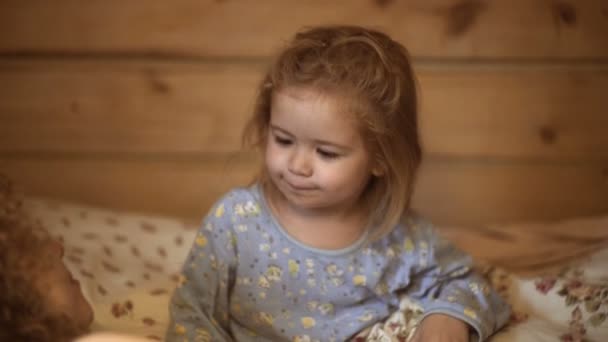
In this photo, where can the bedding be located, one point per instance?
(128, 265)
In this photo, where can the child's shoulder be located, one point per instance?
(239, 194)
(414, 226)
(239, 201)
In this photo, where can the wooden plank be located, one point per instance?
(555, 112)
(449, 192)
(184, 188)
(472, 192)
(536, 112)
(123, 107)
(438, 28)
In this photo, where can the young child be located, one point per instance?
(324, 244)
(39, 299)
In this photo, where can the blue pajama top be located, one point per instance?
(246, 279)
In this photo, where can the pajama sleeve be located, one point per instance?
(446, 283)
(199, 306)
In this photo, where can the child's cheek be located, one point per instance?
(274, 160)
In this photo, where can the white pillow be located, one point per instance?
(127, 263)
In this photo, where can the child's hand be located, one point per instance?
(441, 328)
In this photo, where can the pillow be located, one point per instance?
(576, 296)
(127, 263)
(534, 248)
(555, 275)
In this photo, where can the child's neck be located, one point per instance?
(331, 228)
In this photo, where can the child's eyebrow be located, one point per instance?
(277, 128)
(317, 141)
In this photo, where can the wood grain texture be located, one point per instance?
(193, 28)
(183, 188)
(143, 107)
(454, 192)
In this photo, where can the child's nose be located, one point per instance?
(300, 163)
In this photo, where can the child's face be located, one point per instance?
(62, 291)
(315, 154)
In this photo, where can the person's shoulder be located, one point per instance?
(238, 202)
(414, 226)
(418, 222)
(239, 194)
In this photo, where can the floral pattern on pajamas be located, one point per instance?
(246, 279)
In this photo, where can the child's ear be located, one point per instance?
(378, 165)
(378, 169)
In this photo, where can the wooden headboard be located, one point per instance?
(138, 105)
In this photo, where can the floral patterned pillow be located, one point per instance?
(573, 302)
(558, 273)
(582, 291)
(127, 263)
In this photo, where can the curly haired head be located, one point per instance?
(24, 313)
(370, 74)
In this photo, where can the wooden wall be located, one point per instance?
(138, 104)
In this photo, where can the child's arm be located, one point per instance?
(441, 328)
(199, 305)
(448, 287)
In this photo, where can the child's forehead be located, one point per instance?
(305, 93)
(339, 102)
(314, 116)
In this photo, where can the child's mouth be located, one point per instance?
(299, 187)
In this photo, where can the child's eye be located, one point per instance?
(282, 141)
(327, 154)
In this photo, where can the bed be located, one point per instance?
(120, 120)
(128, 265)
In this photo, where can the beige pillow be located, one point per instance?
(533, 248)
